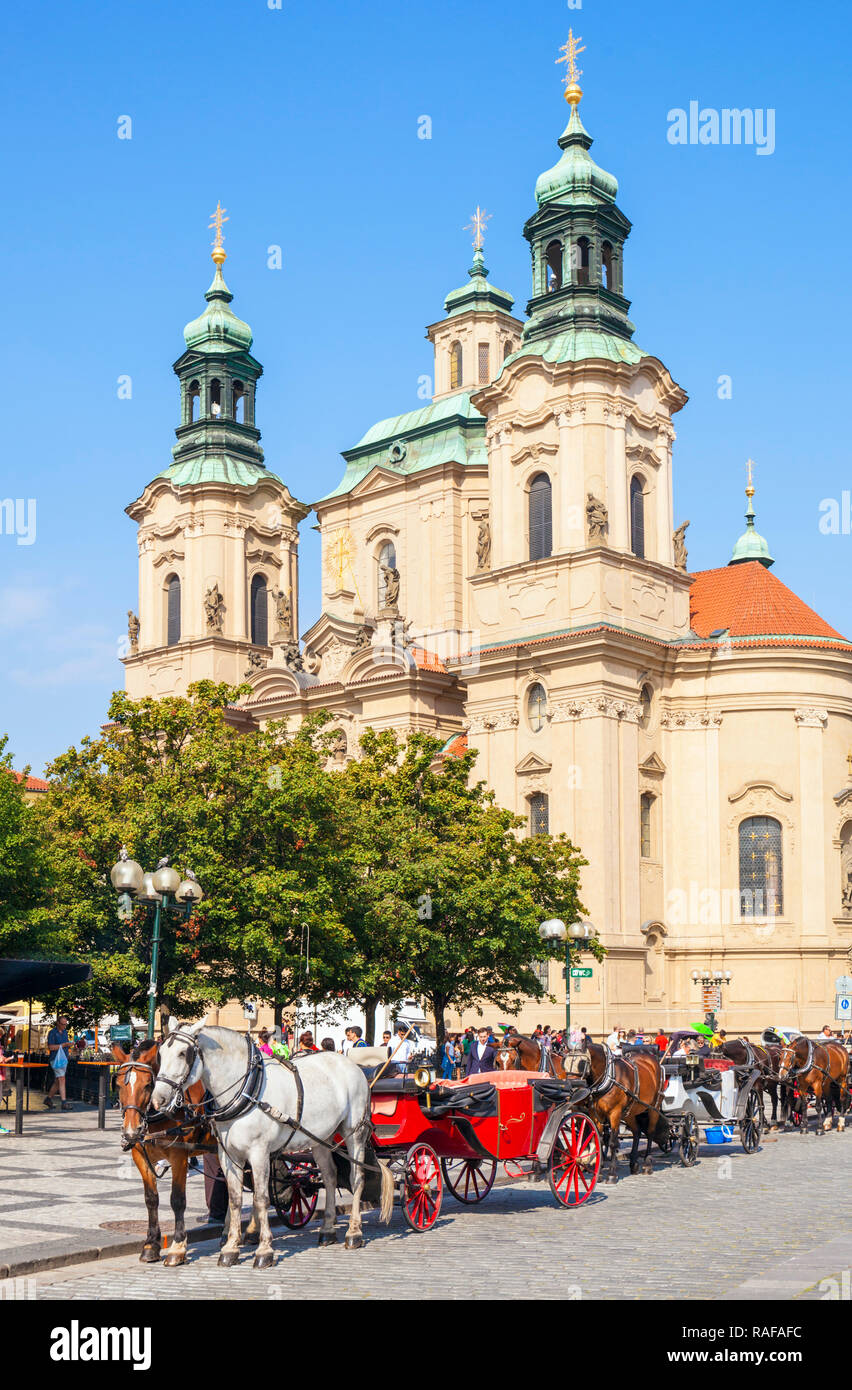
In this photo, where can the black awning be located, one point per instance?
(29, 979)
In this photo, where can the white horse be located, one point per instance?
(259, 1108)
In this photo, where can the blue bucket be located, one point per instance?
(719, 1134)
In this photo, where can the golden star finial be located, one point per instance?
(569, 53)
(218, 253)
(477, 226)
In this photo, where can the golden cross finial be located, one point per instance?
(849, 763)
(750, 486)
(218, 253)
(477, 226)
(569, 53)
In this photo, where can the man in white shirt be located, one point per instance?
(402, 1048)
(613, 1042)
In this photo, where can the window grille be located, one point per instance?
(539, 814)
(761, 867)
(541, 518)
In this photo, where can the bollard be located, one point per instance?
(102, 1096)
(19, 1101)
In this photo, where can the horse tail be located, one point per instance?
(386, 1209)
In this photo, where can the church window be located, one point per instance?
(539, 814)
(646, 699)
(646, 802)
(553, 267)
(455, 366)
(507, 349)
(239, 402)
(259, 611)
(194, 400)
(483, 364)
(172, 611)
(216, 397)
(581, 260)
(387, 559)
(606, 265)
(537, 707)
(541, 970)
(541, 517)
(761, 867)
(637, 518)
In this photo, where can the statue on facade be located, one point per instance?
(283, 613)
(483, 545)
(679, 539)
(391, 594)
(132, 631)
(255, 663)
(293, 657)
(214, 609)
(846, 895)
(337, 747)
(363, 638)
(597, 518)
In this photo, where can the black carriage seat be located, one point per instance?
(477, 1100)
(647, 1049)
(707, 1077)
(391, 1082)
(552, 1090)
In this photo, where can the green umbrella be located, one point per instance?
(702, 1028)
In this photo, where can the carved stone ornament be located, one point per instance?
(256, 662)
(691, 719)
(133, 632)
(811, 717)
(283, 613)
(679, 542)
(293, 657)
(483, 545)
(214, 609)
(597, 519)
(566, 710)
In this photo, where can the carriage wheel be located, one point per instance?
(574, 1161)
(468, 1179)
(689, 1141)
(751, 1123)
(293, 1191)
(422, 1187)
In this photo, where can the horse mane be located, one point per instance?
(140, 1047)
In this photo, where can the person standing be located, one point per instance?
(403, 1047)
(263, 1042)
(354, 1038)
(57, 1046)
(482, 1055)
(613, 1042)
(448, 1059)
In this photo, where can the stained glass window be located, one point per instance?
(537, 707)
(455, 366)
(761, 867)
(539, 814)
(483, 363)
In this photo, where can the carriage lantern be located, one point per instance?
(165, 891)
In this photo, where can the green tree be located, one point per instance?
(24, 866)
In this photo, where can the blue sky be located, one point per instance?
(304, 122)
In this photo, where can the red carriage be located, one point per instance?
(451, 1135)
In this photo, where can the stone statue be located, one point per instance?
(846, 897)
(364, 638)
(597, 517)
(214, 609)
(255, 663)
(133, 631)
(483, 545)
(283, 612)
(293, 657)
(679, 539)
(338, 746)
(391, 586)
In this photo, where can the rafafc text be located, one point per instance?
(712, 1334)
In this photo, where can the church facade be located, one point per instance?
(501, 568)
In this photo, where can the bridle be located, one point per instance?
(786, 1069)
(143, 1114)
(246, 1088)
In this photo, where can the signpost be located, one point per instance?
(843, 1009)
(580, 972)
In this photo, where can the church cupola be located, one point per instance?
(577, 236)
(751, 545)
(218, 377)
(479, 331)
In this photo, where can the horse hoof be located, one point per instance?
(175, 1257)
(327, 1238)
(263, 1261)
(354, 1242)
(228, 1258)
(150, 1255)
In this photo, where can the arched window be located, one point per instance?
(507, 349)
(455, 366)
(646, 700)
(581, 261)
(637, 517)
(646, 846)
(761, 867)
(216, 397)
(259, 611)
(606, 265)
(541, 517)
(553, 267)
(172, 611)
(537, 707)
(483, 364)
(194, 401)
(239, 402)
(387, 558)
(539, 814)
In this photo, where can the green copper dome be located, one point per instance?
(576, 178)
(218, 328)
(478, 294)
(751, 545)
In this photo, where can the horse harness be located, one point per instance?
(609, 1080)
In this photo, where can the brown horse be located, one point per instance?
(821, 1070)
(525, 1054)
(173, 1137)
(768, 1058)
(626, 1090)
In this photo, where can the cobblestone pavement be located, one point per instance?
(734, 1226)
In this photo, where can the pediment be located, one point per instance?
(761, 785)
(532, 763)
(376, 480)
(842, 797)
(653, 765)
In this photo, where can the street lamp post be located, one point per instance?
(165, 891)
(716, 978)
(555, 930)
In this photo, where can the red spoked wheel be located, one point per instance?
(469, 1179)
(422, 1187)
(293, 1190)
(575, 1161)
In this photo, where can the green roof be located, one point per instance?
(478, 294)
(575, 178)
(447, 431)
(217, 468)
(218, 329)
(579, 345)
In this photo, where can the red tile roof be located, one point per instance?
(750, 602)
(34, 784)
(426, 661)
(455, 747)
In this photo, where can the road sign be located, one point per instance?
(843, 984)
(581, 972)
(843, 1008)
